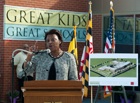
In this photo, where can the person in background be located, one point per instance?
(18, 62)
(55, 65)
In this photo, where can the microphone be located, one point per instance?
(12, 87)
(20, 50)
(13, 67)
(46, 50)
(41, 51)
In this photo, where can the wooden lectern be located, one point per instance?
(52, 91)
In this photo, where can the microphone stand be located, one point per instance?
(13, 68)
(48, 50)
(12, 78)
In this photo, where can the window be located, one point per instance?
(127, 35)
(123, 33)
(137, 31)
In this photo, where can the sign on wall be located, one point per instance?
(113, 69)
(124, 28)
(22, 23)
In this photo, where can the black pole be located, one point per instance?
(12, 78)
(12, 91)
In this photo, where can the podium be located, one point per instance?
(52, 91)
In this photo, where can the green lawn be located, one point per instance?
(99, 62)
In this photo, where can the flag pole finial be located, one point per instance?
(111, 4)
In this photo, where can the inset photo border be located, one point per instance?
(113, 69)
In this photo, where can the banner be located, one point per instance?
(124, 29)
(22, 23)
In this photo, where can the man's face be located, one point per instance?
(26, 47)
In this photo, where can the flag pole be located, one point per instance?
(111, 7)
(90, 3)
(113, 29)
(88, 50)
(110, 46)
(91, 95)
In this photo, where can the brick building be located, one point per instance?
(101, 8)
(8, 46)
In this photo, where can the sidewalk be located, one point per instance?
(108, 99)
(88, 100)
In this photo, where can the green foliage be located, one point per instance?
(14, 95)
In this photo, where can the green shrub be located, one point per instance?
(15, 93)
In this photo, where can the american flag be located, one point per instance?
(110, 45)
(110, 39)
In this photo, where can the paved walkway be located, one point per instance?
(88, 100)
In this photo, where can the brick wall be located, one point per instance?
(97, 33)
(8, 46)
(1, 49)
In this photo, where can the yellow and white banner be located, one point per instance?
(23, 23)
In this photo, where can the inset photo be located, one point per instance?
(112, 68)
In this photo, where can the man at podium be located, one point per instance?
(54, 65)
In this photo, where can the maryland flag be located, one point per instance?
(110, 44)
(73, 45)
(88, 50)
(82, 62)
